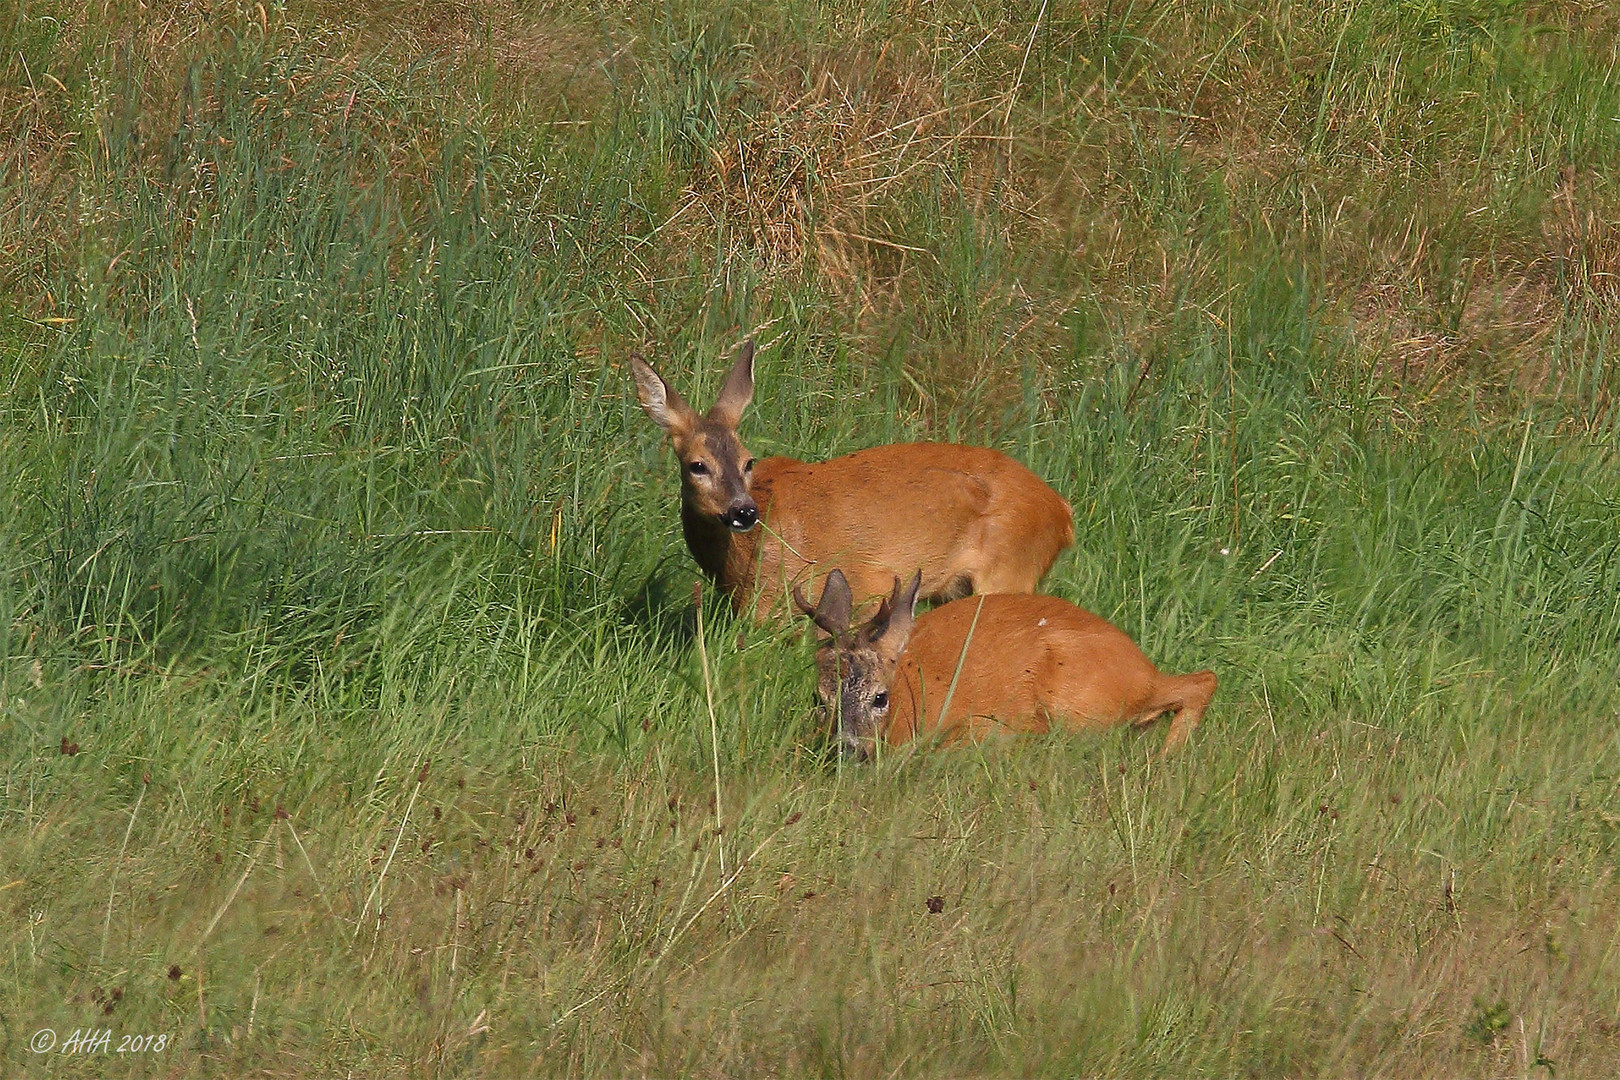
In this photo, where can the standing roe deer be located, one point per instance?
(997, 663)
(972, 518)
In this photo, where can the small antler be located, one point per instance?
(895, 613)
(832, 612)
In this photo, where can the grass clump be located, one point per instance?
(354, 716)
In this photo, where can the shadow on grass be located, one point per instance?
(661, 608)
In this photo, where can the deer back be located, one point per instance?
(1031, 662)
(970, 518)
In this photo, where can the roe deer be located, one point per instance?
(972, 518)
(997, 663)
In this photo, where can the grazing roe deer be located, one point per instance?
(997, 663)
(972, 518)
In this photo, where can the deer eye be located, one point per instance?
(697, 468)
(748, 466)
(880, 701)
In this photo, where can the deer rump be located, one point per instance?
(970, 518)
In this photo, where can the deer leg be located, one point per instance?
(1197, 690)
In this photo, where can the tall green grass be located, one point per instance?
(354, 716)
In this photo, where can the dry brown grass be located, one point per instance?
(1111, 161)
(504, 63)
(63, 117)
(574, 918)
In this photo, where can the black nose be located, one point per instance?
(742, 518)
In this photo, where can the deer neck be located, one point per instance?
(724, 556)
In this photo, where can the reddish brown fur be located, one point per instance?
(1032, 662)
(972, 518)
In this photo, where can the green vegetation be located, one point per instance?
(353, 720)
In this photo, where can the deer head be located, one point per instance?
(855, 671)
(715, 465)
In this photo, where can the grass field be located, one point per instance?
(352, 720)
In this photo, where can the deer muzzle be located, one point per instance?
(741, 516)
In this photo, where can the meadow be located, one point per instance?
(353, 720)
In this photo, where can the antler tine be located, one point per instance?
(879, 622)
(815, 615)
(832, 611)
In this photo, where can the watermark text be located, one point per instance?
(96, 1041)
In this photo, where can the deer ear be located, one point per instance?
(890, 629)
(739, 389)
(660, 401)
